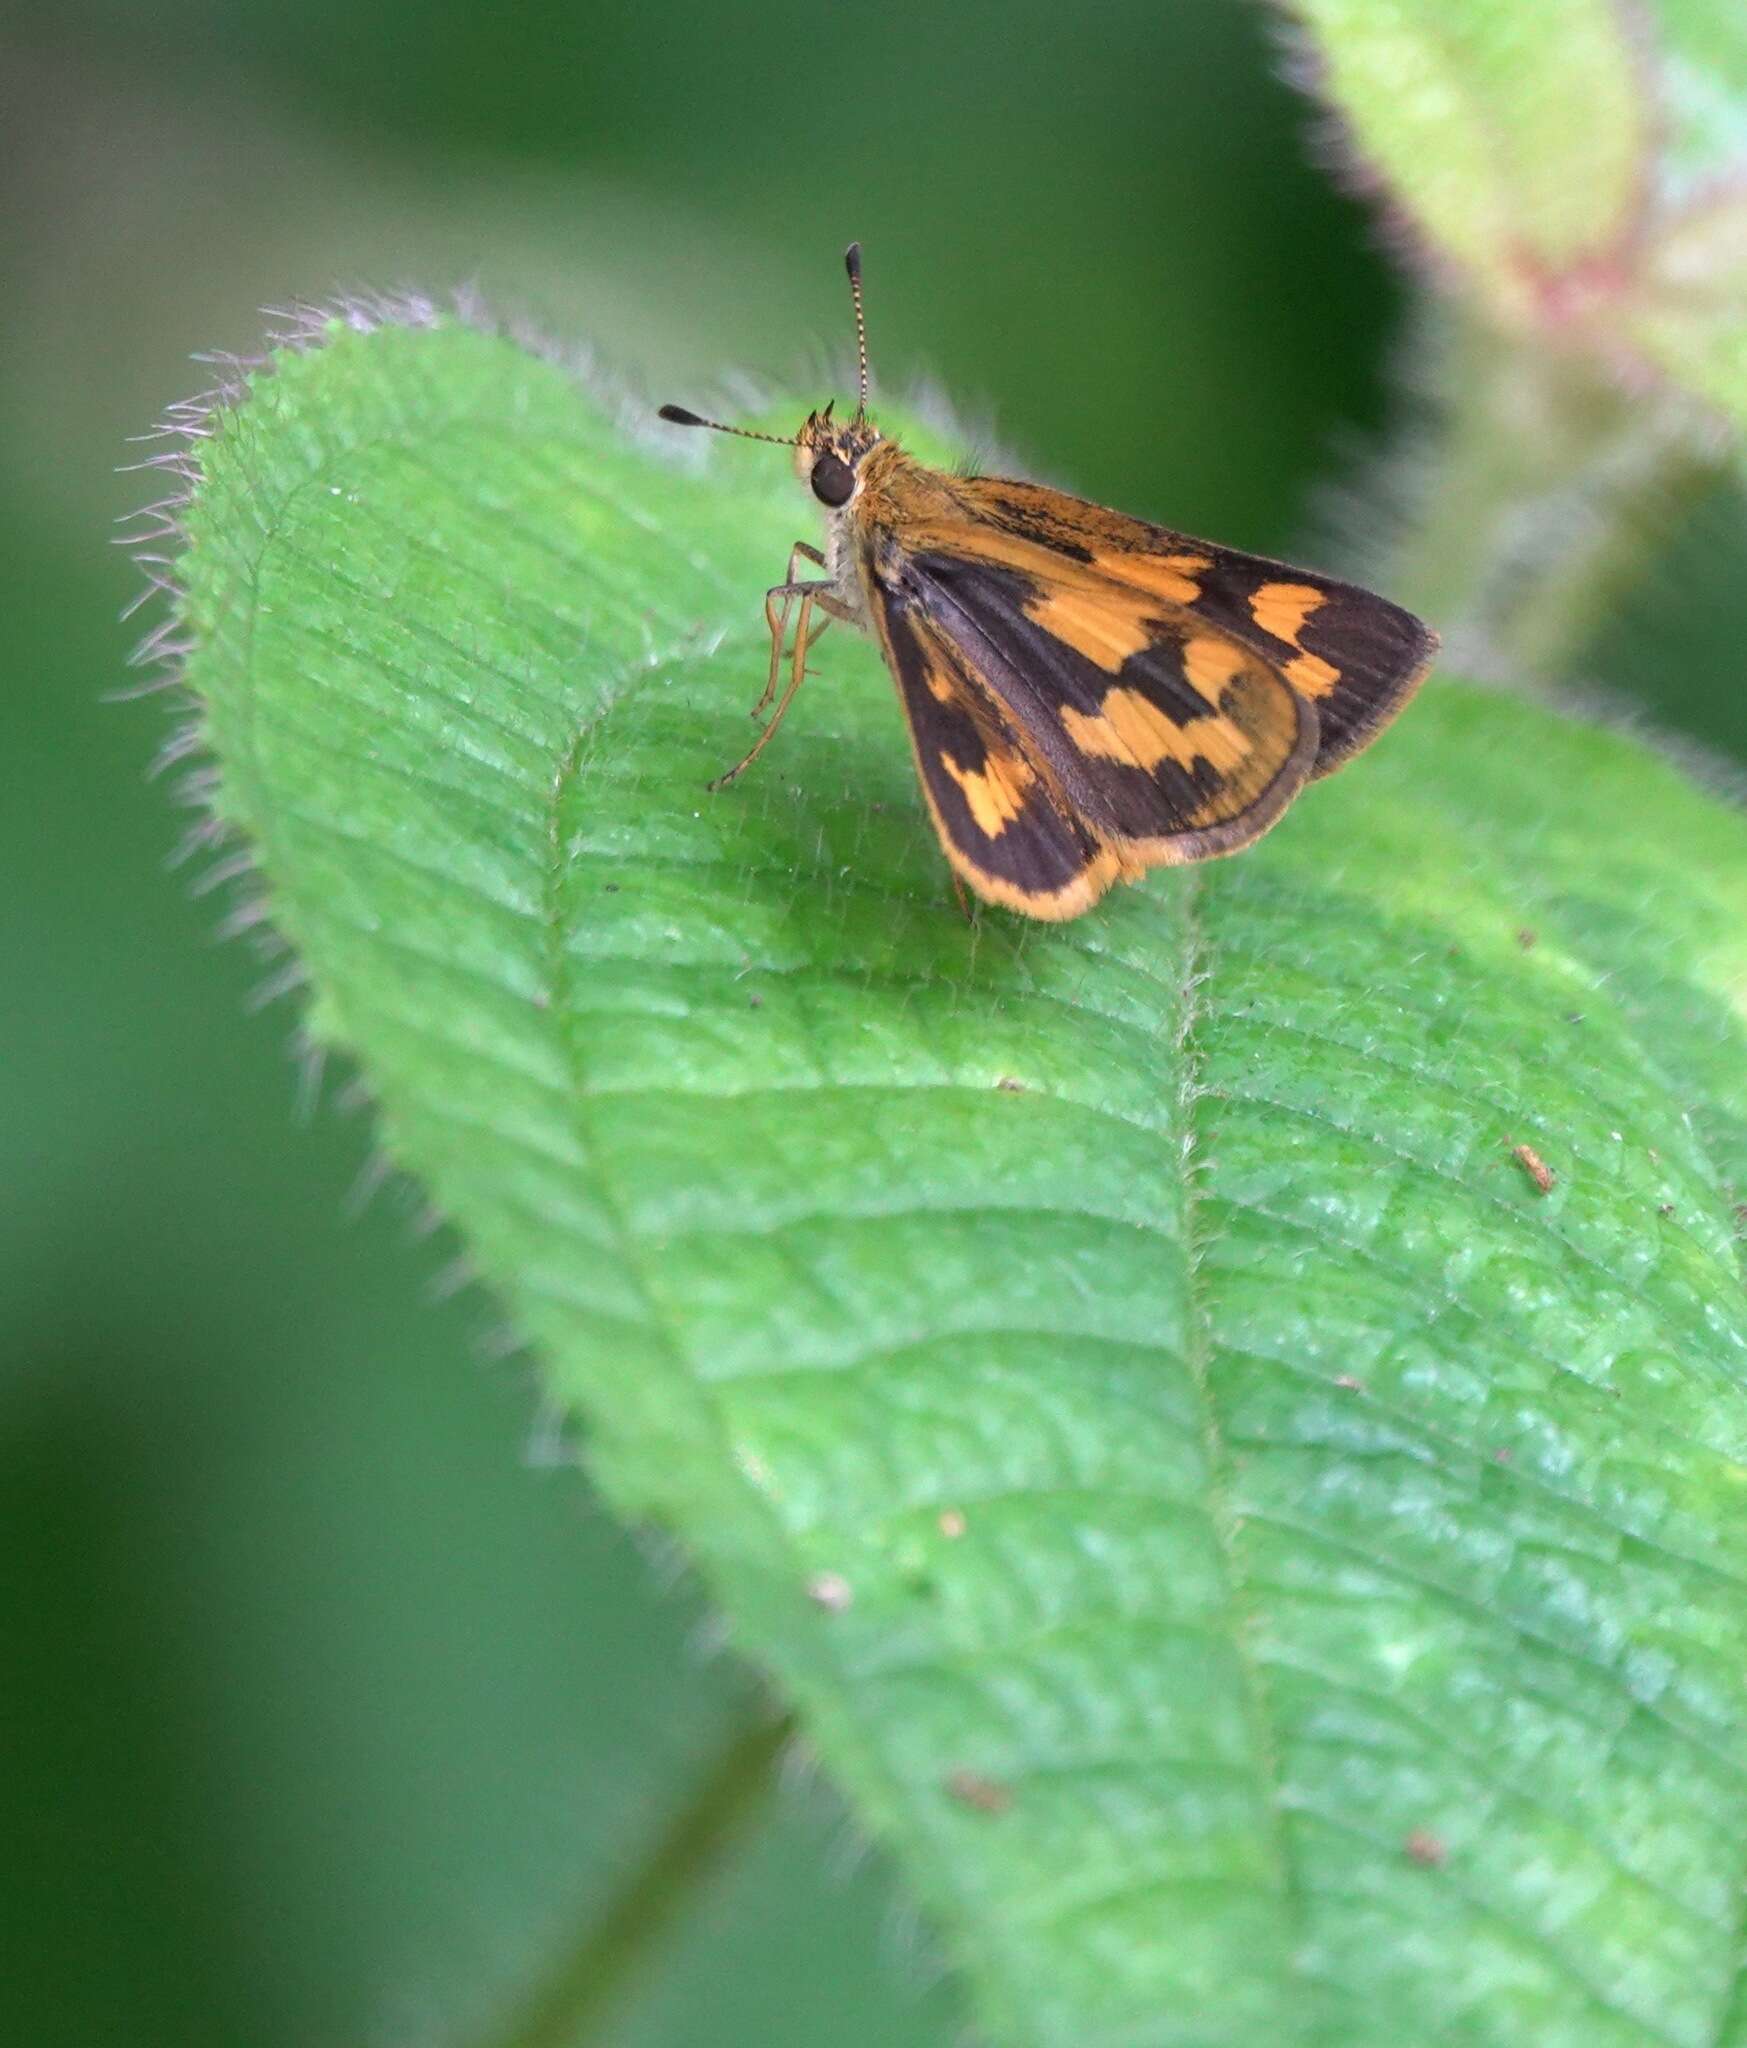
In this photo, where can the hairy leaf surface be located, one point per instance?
(1271, 1573)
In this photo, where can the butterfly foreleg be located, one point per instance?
(807, 595)
(777, 604)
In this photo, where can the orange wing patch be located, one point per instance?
(1109, 610)
(1282, 608)
(1106, 608)
(1130, 727)
(1210, 662)
(1312, 675)
(1105, 626)
(1171, 577)
(1268, 722)
(995, 792)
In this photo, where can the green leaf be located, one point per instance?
(1516, 138)
(1580, 170)
(1692, 320)
(1270, 1573)
(1702, 62)
(1692, 323)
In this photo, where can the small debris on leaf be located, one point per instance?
(1429, 1851)
(1351, 1382)
(1009, 1086)
(830, 1590)
(1534, 1166)
(1527, 938)
(971, 1788)
(952, 1522)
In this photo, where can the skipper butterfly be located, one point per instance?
(1088, 695)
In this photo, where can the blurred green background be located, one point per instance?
(331, 1707)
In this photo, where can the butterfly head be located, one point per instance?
(828, 453)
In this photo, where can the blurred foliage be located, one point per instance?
(329, 1716)
(1591, 354)
(1514, 141)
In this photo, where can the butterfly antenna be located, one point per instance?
(681, 418)
(852, 263)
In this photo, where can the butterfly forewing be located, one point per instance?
(1162, 733)
(1357, 657)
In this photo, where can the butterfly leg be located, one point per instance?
(778, 621)
(808, 595)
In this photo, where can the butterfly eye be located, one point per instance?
(833, 481)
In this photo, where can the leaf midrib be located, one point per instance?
(1199, 1357)
(706, 1389)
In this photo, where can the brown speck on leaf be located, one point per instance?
(1665, 1208)
(972, 1788)
(1350, 1382)
(1534, 1166)
(1009, 1086)
(1527, 938)
(830, 1590)
(952, 1522)
(1502, 1455)
(756, 1002)
(1429, 1851)
(609, 888)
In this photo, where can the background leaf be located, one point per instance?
(1344, 1631)
(1516, 139)
(1582, 169)
(1694, 322)
(1703, 68)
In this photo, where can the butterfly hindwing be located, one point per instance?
(1005, 826)
(1172, 742)
(1062, 745)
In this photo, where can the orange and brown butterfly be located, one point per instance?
(1088, 695)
